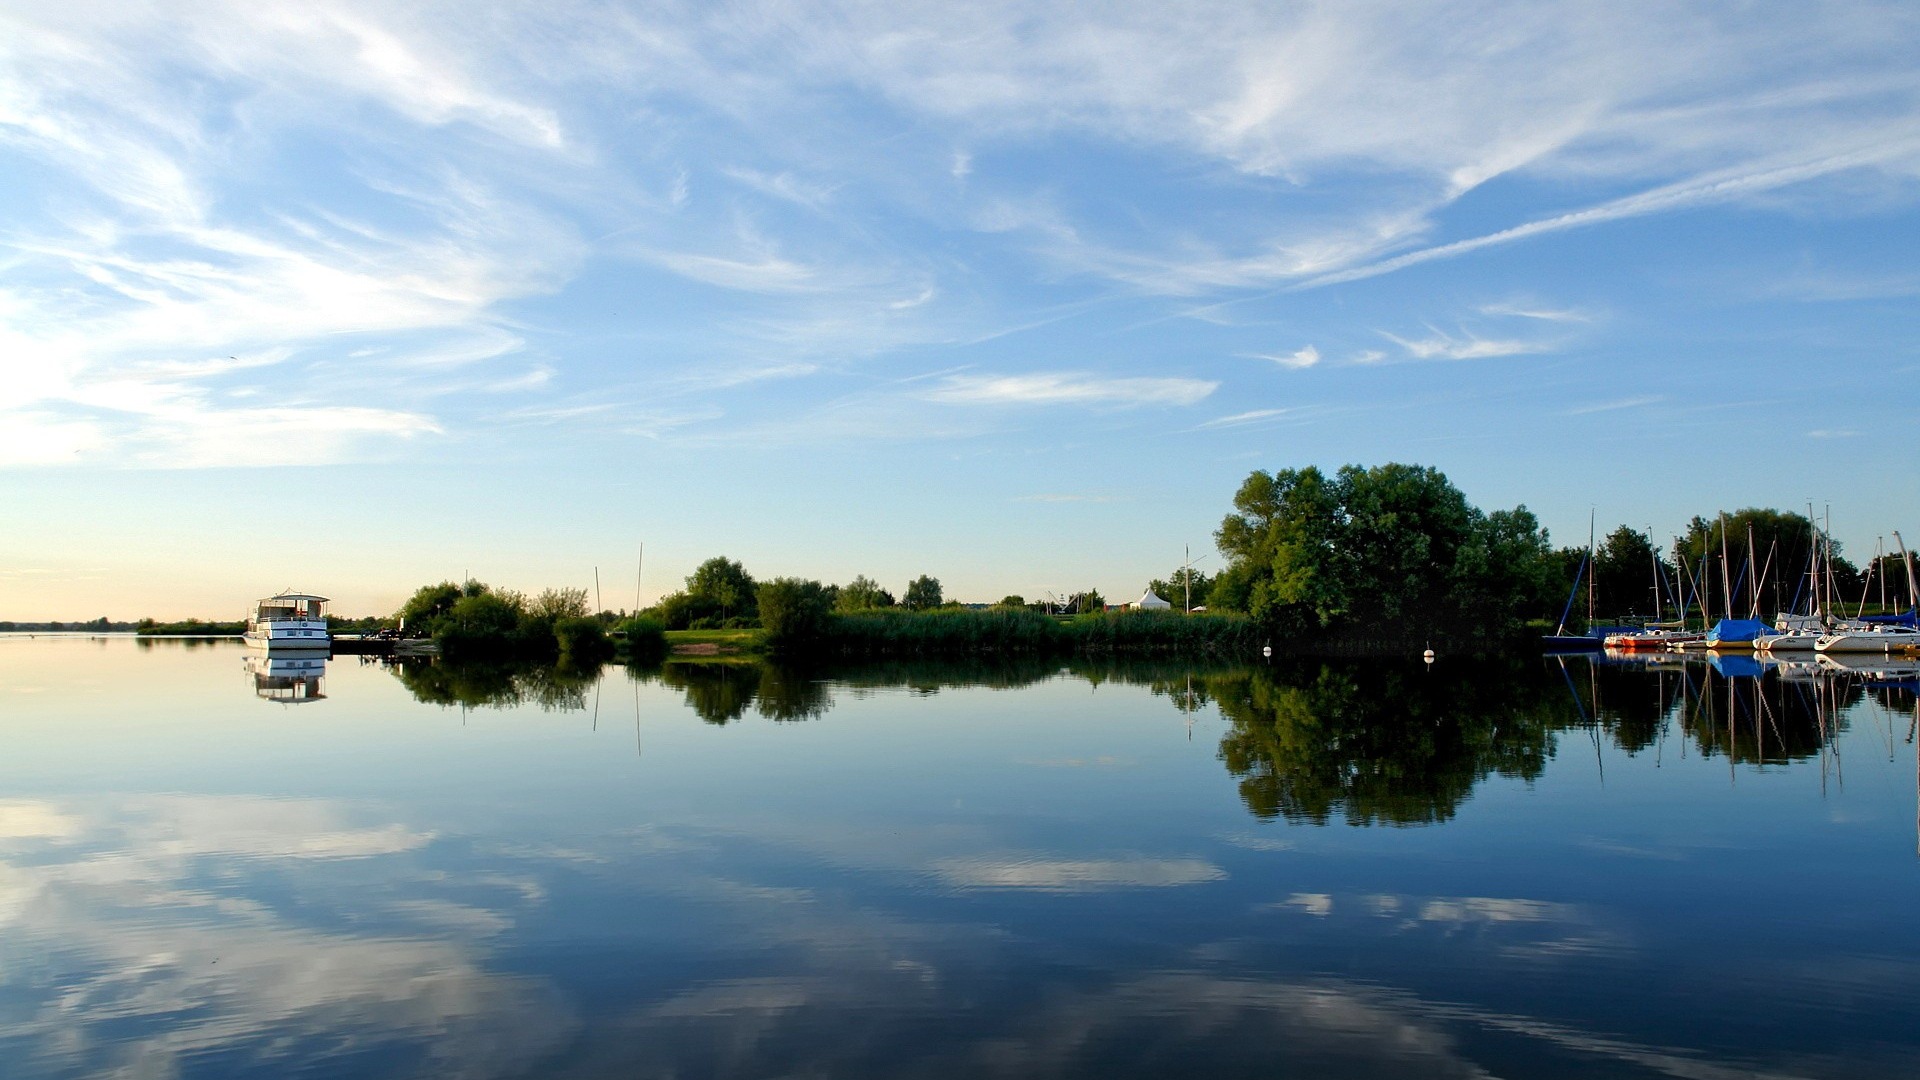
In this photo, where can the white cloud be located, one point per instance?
(782, 186)
(1252, 417)
(1442, 346)
(1618, 404)
(1543, 314)
(1300, 358)
(1897, 149)
(1069, 388)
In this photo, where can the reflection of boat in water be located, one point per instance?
(289, 621)
(1871, 667)
(288, 677)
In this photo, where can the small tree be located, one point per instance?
(428, 605)
(861, 594)
(923, 594)
(1012, 600)
(1091, 600)
(557, 604)
(724, 584)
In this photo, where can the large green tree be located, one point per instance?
(1624, 572)
(1390, 552)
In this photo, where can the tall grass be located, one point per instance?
(941, 632)
(1017, 632)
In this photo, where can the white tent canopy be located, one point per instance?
(1150, 601)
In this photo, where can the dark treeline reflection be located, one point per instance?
(1366, 742)
(473, 684)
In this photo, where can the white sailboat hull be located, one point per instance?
(1869, 641)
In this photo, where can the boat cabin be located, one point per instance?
(288, 607)
(289, 620)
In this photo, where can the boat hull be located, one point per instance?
(289, 638)
(1868, 642)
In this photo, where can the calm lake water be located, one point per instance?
(1310, 869)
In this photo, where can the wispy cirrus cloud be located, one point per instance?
(1254, 416)
(1069, 388)
(1618, 404)
(1442, 346)
(1515, 310)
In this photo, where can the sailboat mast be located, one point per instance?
(1727, 577)
(1652, 551)
(1907, 557)
(1593, 565)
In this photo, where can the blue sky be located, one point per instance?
(352, 296)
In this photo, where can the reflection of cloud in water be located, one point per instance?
(1492, 909)
(1153, 1023)
(1159, 1023)
(1535, 931)
(1072, 875)
(135, 910)
(1311, 903)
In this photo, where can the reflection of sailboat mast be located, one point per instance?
(1661, 713)
(1728, 725)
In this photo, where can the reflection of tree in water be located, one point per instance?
(720, 693)
(723, 692)
(1380, 743)
(717, 693)
(558, 687)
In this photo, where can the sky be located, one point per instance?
(351, 297)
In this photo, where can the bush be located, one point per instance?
(487, 623)
(581, 638)
(642, 639)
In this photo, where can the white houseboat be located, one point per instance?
(289, 621)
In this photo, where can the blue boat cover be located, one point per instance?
(1907, 618)
(1737, 630)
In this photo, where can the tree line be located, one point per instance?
(1361, 559)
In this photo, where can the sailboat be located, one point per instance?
(1560, 641)
(1885, 634)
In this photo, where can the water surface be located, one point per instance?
(211, 868)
